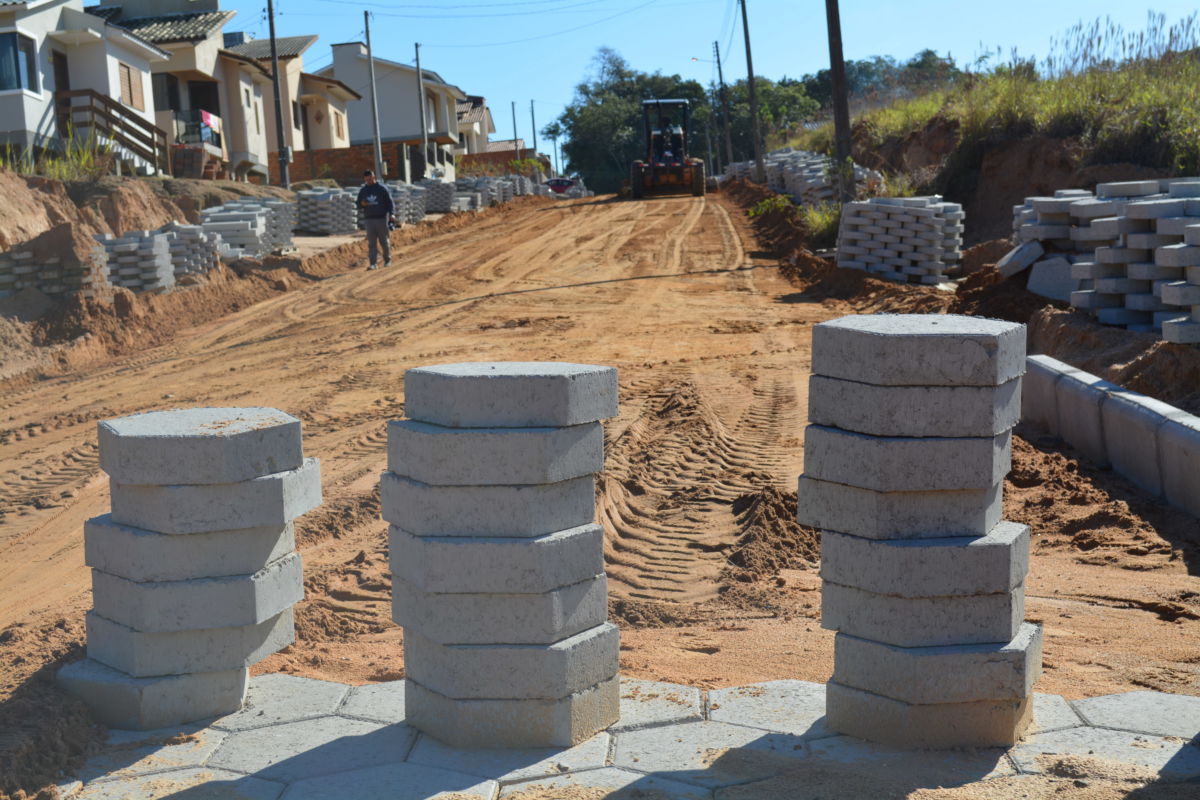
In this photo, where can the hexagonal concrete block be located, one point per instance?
(209, 650)
(381, 702)
(648, 703)
(505, 511)
(1175, 759)
(901, 464)
(513, 723)
(514, 672)
(141, 555)
(513, 763)
(496, 564)
(613, 782)
(122, 701)
(1144, 712)
(794, 707)
(919, 350)
(922, 621)
(193, 782)
(898, 515)
(126, 754)
(278, 699)
(1052, 712)
(947, 674)
(199, 445)
(944, 411)
(442, 456)
(986, 723)
(501, 618)
(270, 501)
(510, 394)
(200, 603)
(997, 562)
(394, 782)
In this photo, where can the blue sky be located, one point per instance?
(540, 49)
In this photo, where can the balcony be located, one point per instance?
(196, 127)
(85, 112)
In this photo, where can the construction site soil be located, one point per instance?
(712, 582)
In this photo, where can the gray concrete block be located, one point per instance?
(985, 723)
(899, 464)
(210, 650)
(458, 564)
(1177, 255)
(512, 763)
(200, 603)
(1019, 258)
(1039, 394)
(1172, 758)
(980, 565)
(394, 782)
(943, 411)
(1080, 397)
(442, 456)
(513, 672)
(1179, 451)
(381, 702)
(199, 445)
(122, 701)
(504, 511)
(1052, 278)
(277, 698)
(947, 674)
(791, 707)
(1155, 713)
(898, 515)
(919, 350)
(647, 703)
(510, 394)
(1131, 423)
(491, 724)
(269, 501)
(501, 618)
(141, 555)
(922, 621)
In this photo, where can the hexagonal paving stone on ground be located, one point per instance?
(273, 699)
(312, 748)
(194, 784)
(393, 782)
(645, 703)
(1156, 713)
(511, 765)
(921, 767)
(795, 707)
(130, 753)
(1175, 759)
(380, 702)
(623, 785)
(1052, 712)
(707, 753)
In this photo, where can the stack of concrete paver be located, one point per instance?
(331, 212)
(497, 565)
(904, 473)
(20, 269)
(907, 239)
(439, 196)
(193, 250)
(411, 200)
(194, 572)
(1185, 293)
(467, 201)
(139, 261)
(244, 230)
(805, 176)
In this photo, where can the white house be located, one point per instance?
(52, 54)
(475, 125)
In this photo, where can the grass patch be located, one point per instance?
(81, 158)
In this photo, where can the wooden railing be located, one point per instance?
(112, 122)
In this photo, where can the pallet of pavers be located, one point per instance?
(139, 261)
(439, 196)
(906, 239)
(331, 212)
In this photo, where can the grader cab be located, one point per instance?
(666, 166)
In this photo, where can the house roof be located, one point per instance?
(473, 109)
(250, 62)
(167, 28)
(505, 146)
(286, 47)
(331, 82)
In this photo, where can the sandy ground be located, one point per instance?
(712, 582)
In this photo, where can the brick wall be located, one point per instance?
(343, 164)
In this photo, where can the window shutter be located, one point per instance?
(126, 84)
(138, 100)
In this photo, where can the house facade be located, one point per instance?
(475, 125)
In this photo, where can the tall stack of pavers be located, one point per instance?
(194, 573)
(904, 467)
(497, 565)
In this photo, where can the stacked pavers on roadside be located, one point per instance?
(194, 572)
(1185, 293)
(193, 250)
(905, 458)
(20, 269)
(244, 230)
(139, 261)
(439, 196)
(906, 239)
(497, 565)
(330, 212)
(804, 175)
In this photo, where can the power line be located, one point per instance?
(548, 35)
(472, 15)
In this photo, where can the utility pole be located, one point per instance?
(760, 171)
(841, 102)
(724, 107)
(374, 98)
(533, 122)
(285, 179)
(708, 144)
(421, 102)
(516, 149)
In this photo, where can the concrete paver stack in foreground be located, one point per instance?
(497, 565)
(194, 573)
(904, 467)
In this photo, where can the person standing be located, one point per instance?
(377, 209)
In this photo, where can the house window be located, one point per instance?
(18, 62)
(247, 91)
(258, 118)
(295, 115)
(166, 92)
(131, 87)
(337, 125)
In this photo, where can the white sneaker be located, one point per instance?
(372, 267)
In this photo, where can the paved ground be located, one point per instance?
(300, 738)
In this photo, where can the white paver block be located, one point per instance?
(504, 511)
(1179, 450)
(200, 603)
(199, 445)
(947, 674)
(1052, 279)
(919, 350)
(501, 618)
(944, 411)
(269, 501)
(141, 555)
(898, 515)
(901, 464)
(1155, 713)
(649, 703)
(981, 565)
(922, 621)
(442, 456)
(1080, 397)
(510, 394)
(1019, 258)
(122, 701)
